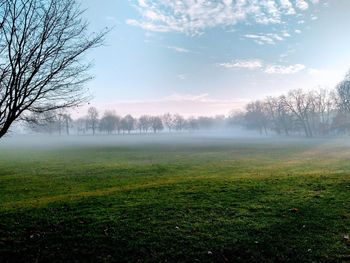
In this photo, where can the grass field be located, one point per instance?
(174, 199)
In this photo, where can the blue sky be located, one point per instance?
(207, 57)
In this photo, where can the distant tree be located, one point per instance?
(342, 98)
(310, 112)
(219, 121)
(279, 118)
(108, 122)
(80, 125)
(128, 123)
(67, 122)
(144, 123)
(46, 122)
(118, 120)
(300, 104)
(64, 120)
(343, 92)
(179, 122)
(92, 119)
(205, 123)
(193, 124)
(50, 122)
(138, 125)
(236, 119)
(322, 111)
(42, 44)
(256, 116)
(168, 121)
(156, 124)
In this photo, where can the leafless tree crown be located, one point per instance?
(42, 47)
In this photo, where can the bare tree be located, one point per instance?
(179, 122)
(279, 117)
(300, 104)
(168, 120)
(92, 119)
(157, 124)
(46, 122)
(343, 90)
(109, 122)
(144, 123)
(256, 116)
(118, 123)
(128, 123)
(322, 110)
(80, 125)
(193, 124)
(205, 123)
(67, 122)
(42, 46)
(64, 120)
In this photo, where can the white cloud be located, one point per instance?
(272, 14)
(142, 3)
(266, 68)
(194, 16)
(269, 38)
(297, 31)
(242, 64)
(182, 76)
(286, 54)
(148, 26)
(287, 5)
(302, 4)
(280, 69)
(178, 49)
(187, 97)
(285, 34)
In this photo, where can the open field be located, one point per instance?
(174, 199)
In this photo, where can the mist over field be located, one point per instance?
(212, 196)
(54, 142)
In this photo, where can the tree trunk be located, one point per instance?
(67, 127)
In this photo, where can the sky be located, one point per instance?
(210, 57)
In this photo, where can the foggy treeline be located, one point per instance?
(309, 113)
(298, 113)
(60, 122)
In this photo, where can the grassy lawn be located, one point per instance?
(178, 199)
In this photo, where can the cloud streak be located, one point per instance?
(270, 38)
(185, 104)
(255, 64)
(242, 64)
(284, 70)
(178, 49)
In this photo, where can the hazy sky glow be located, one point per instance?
(206, 57)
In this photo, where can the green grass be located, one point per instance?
(192, 200)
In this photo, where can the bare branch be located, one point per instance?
(42, 47)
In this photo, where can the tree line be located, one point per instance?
(61, 122)
(298, 113)
(309, 113)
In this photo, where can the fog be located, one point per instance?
(134, 139)
(219, 138)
